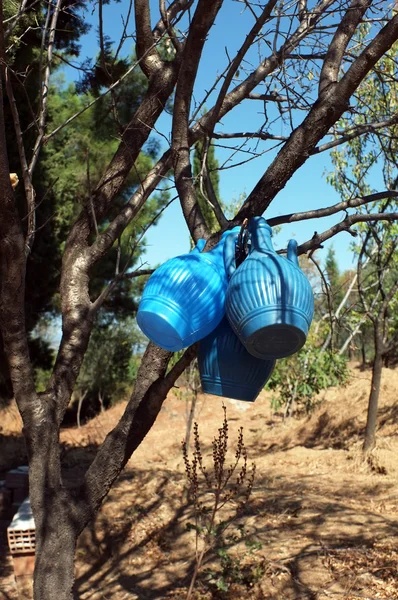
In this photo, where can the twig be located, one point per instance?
(331, 210)
(26, 176)
(90, 199)
(45, 89)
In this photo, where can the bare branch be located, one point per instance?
(325, 112)
(353, 132)
(332, 317)
(331, 210)
(106, 239)
(101, 37)
(45, 89)
(138, 273)
(262, 135)
(147, 53)
(319, 238)
(124, 36)
(338, 45)
(202, 21)
(267, 66)
(124, 275)
(15, 18)
(278, 98)
(90, 199)
(28, 186)
(260, 22)
(150, 391)
(210, 193)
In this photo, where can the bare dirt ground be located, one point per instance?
(322, 523)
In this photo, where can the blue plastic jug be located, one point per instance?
(227, 369)
(184, 299)
(269, 302)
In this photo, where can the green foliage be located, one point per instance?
(108, 369)
(356, 164)
(70, 166)
(238, 562)
(298, 379)
(25, 58)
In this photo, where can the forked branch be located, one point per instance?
(202, 21)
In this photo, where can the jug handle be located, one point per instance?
(199, 246)
(292, 252)
(229, 253)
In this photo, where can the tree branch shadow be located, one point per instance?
(283, 515)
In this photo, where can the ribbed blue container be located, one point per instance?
(269, 302)
(227, 369)
(184, 299)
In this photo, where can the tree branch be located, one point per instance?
(266, 67)
(335, 54)
(210, 193)
(147, 53)
(12, 278)
(235, 64)
(353, 132)
(45, 88)
(105, 240)
(325, 112)
(331, 210)
(28, 186)
(178, 6)
(150, 391)
(202, 21)
(262, 135)
(318, 238)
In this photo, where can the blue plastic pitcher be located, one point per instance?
(184, 299)
(227, 369)
(269, 302)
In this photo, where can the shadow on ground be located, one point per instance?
(138, 547)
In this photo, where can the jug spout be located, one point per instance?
(199, 247)
(260, 233)
(292, 252)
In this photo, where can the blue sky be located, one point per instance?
(305, 191)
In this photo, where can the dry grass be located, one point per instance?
(326, 521)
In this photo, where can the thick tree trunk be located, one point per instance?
(60, 516)
(54, 508)
(55, 552)
(373, 402)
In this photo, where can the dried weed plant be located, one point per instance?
(218, 494)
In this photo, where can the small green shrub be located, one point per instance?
(299, 378)
(241, 565)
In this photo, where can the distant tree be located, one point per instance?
(333, 275)
(106, 374)
(380, 276)
(26, 65)
(377, 271)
